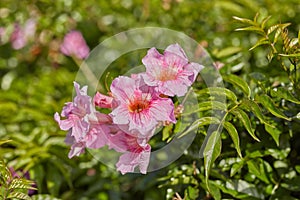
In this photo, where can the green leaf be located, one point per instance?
(37, 173)
(297, 167)
(245, 21)
(254, 154)
(241, 189)
(292, 184)
(272, 28)
(274, 132)
(211, 152)
(212, 105)
(44, 197)
(239, 82)
(4, 141)
(276, 26)
(253, 167)
(18, 195)
(207, 105)
(236, 167)
(5, 174)
(243, 117)
(214, 191)
(258, 77)
(217, 91)
(277, 34)
(191, 193)
(228, 52)
(250, 105)
(252, 29)
(234, 136)
(54, 179)
(260, 42)
(282, 193)
(167, 132)
(200, 122)
(264, 21)
(260, 169)
(290, 55)
(21, 183)
(268, 103)
(230, 7)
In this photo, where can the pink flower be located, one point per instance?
(87, 127)
(139, 106)
(136, 152)
(75, 45)
(103, 101)
(20, 36)
(96, 137)
(17, 38)
(29, 28)
(218, 65)
(171, 72)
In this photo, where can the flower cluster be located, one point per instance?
(138, 105)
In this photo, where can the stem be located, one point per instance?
(224, 117)
(186, 96)
(91, 78)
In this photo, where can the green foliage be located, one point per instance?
(11, 186)
(280, 45)
(254, 108)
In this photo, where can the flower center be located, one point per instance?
(138, 106)
(167, 74)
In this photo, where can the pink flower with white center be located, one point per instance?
(136, 152)
(138, 105)
(75, 45)
(171, 72)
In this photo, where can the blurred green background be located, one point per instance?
(37, 80)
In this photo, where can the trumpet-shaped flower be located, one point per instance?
(171, 72)
(86, 126)
(136, 152)
(139, 106)
(75, 45)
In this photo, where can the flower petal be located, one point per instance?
(120, 115)
(123, 88)
(176, 49)
(76, 149)
(102, 101)
(163, 110)
(128, 161)
(63, 124)
(97, 137)
(195, 68)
